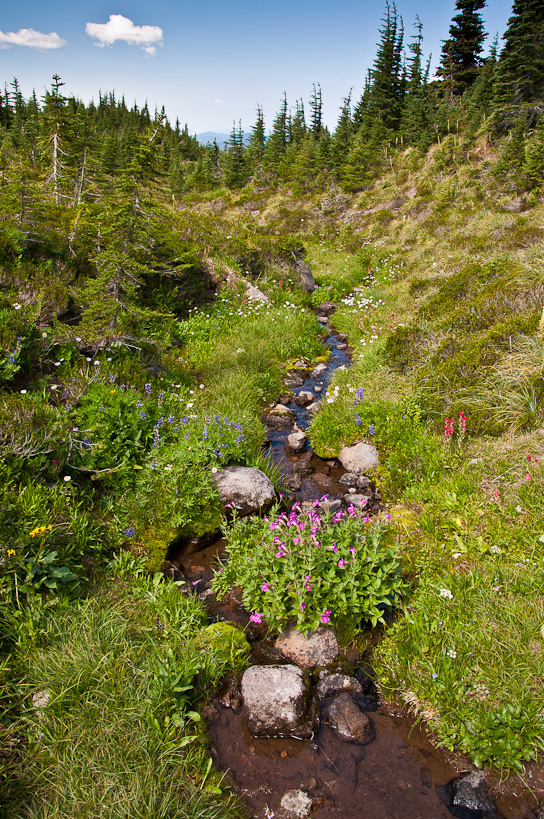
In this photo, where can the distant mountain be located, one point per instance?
(221, 139)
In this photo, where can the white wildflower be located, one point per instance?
(446, 594)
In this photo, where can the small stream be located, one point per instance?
(399, 775)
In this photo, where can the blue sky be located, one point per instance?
(211, 63)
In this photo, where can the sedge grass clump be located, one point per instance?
(308, 568)
(468, 655)
(110, 707)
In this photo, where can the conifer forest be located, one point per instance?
(352, 320)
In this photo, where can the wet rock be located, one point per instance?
(342, 337)
(312, 408)
(324, 481)
(319, 371)
(306, 280)
(304, 398)
(275, 701)
(326, 308)
(304, 466)
(323, 319)
(254, 294)
(358, 501)
(341, 346)
(359, 458)
(296, 442)
(294, 483)
(245, 488)
(285, 399)
(347, 719)
(348, 479)
(330, 684)
(294, 380)
(317, 649)
(279, 416)
(330, 505)
(318, 388)
(295, 804)
(363, 482)
(471, 792)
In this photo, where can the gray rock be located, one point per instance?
(331, 506)
(330, 684)
(254, 294)
(471, 792)
(279, 416)
(245, 488)
(318, 388)
(347, 719)
(319, 370)
(296, 804)
(317, 649)
(304, 466)
(307, 281)
(341, 346)
(326, 308)
(323, 319)
(294, 380)
(304, 398)
(275, 701)
(358, 501)
(312, 408)
(363, 482)
(349, 479)
(324, 481)
(296, 442)
(359, 458)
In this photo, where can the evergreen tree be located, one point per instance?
(234, 165)
(316, 108)
(417, 112)
(519, 83)
(342, 136)
(385, 86)
(277, 141)
(255, 148)
(461, 52)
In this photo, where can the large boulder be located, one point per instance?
(347, 719)
(359, 458)
(245, 489)
(276, 701)
(317, 649)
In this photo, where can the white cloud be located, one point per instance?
(216, 100)
(32, 39)
(119, 28)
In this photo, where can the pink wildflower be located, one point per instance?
(265, 586)
(255, 617)
(326, 616)
(342, 563)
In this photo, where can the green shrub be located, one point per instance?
(310, 569)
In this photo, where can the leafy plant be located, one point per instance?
(310, 569)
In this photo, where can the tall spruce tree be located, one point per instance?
(316, 111)
(461, 52)
(385, 85)
(519, 76)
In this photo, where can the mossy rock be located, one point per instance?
(228, 643)
(156, 542)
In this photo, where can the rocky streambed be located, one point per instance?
(303, 732)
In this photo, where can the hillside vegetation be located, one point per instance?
(133, 366)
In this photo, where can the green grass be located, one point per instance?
(124, 672)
